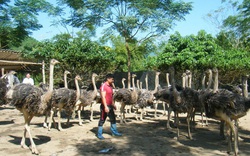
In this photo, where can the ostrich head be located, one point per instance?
(66, 72)
(94, 75)
(54, 61)
(78, 77)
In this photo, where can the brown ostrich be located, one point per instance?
(64, 99)
(162, 95)
(31, 101)
(86, 99)
(126, 97)
(146, 98)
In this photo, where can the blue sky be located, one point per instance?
(194, 22)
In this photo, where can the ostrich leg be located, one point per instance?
(79, 114)
(169, 114)
(91, 110)
(156, 106)
(27, 119)
(122, 113)
(59, 120)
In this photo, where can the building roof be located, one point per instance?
(12, 60)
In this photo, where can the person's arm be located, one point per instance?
(103, 96)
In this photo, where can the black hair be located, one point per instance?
(109, 76)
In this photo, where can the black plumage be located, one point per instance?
(3, 91)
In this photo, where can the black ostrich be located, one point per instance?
(146, 97)
(64, 99)
(226, 106)
(182, 102)
(3, 91)
(126, 97)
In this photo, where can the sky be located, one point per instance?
(193, 23)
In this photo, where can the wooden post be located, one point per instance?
(43, 72)
(2, 71)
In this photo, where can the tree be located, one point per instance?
(200, 52)
(18, 19)
(78, 55)
(239, 24)
(134, 20)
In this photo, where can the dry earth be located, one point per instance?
(140, 138)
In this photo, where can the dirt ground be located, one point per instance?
(140, 138)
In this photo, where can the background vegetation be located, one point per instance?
(130, 39)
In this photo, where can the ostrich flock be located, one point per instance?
(224, 105)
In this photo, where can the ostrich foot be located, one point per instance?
(45, 125)
(169, 127)
(34, 150)
(24, 146)
(61, 129)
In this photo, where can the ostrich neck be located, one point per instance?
(156, 83)
(167, 78)
(215, 82)
(133, 84)
(77, 90)
(65, 81)
(184, 81)
(47, 96)
(137, 83)
(146, 80)
(203, 82)
(173, 81)
(123, 84)
(209, 80)
(51, 82)
(244, 84)
(93, 81)
(190, 81)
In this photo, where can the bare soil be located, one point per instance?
(140, 138)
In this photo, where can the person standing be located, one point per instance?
(28, 79)
(107, 107)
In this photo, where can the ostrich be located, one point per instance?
(86, 99)
(44, 87)
(64, 98)
(146, 98)
(31, 101)
(182, 102)
(126, 97)
(163, 95)
(226, 106)
(119, 104)
(199, 106)
(3, 91)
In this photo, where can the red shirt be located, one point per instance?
(105, 87)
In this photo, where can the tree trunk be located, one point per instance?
(129, 62)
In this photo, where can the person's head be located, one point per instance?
(28, 75)
(109, 78)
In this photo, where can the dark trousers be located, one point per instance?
(104, 115)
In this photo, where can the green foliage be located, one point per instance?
(18, 19)
(200, 52)
(77, 55)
